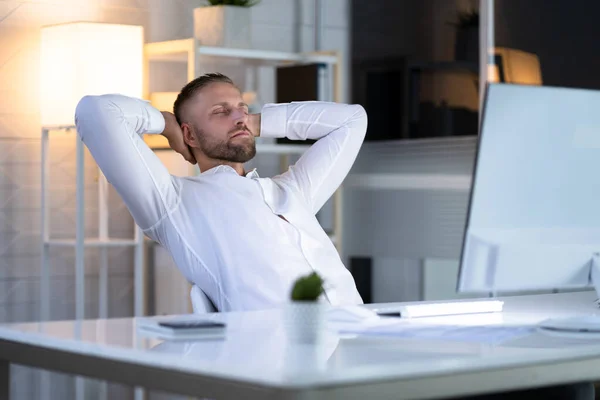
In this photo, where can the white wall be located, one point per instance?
(276, 24)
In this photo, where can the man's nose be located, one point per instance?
(239, 116)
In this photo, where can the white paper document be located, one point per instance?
(486, 334)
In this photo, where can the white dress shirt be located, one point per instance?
(223, 230)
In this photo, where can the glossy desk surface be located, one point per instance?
(256, 354)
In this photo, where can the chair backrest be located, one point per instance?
(200, 301)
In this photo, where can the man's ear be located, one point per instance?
(188, 135)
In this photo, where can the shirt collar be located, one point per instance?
(226, 168)
(252, 174)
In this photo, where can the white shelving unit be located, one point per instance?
(103, 241)
(190, 51)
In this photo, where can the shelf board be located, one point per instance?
(92, 242)
(177, 51)
(51, 128)
(266, 55)
(409, 181)
(445, 66)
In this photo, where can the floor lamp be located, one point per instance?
(79, 59)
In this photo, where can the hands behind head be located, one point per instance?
(174, 135)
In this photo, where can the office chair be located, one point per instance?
(164, 268)
(201, 304)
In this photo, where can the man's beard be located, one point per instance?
(226, 151)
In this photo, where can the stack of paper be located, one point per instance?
(488, 334)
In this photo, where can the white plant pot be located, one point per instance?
(223, 26)
(305, 322)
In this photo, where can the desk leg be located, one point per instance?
(4, 380)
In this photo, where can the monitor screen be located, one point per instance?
(534, 214)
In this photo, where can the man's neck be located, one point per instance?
(205, 165)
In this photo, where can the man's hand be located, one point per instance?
(174, 135)
(254, 124)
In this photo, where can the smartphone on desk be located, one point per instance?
(185, 328)
(192, 325)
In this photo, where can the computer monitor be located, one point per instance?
(534, 212)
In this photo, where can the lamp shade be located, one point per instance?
(82, 58)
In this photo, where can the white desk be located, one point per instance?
(255, 362)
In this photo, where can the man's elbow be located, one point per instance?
(359, 117)
(360, 112)
(91, 108)
(92, 104)
(87, 108)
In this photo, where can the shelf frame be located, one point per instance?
(80, 242)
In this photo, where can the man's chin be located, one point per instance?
(248, 158)
(246, 155)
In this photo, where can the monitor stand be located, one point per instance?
(578, 326)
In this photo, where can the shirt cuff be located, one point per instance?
(273, 121)
(156, 121)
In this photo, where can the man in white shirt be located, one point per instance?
(242, 239)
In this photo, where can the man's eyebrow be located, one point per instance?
(224, 103)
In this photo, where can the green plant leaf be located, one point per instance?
(466, 19)
(307, 288)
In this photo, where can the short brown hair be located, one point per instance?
(194, 87)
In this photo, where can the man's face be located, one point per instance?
(218, 118)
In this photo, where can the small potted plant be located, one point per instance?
(305, 314)
(466, 47)
(224, 23)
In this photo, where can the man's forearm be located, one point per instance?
(341, 129)
(309, 120)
